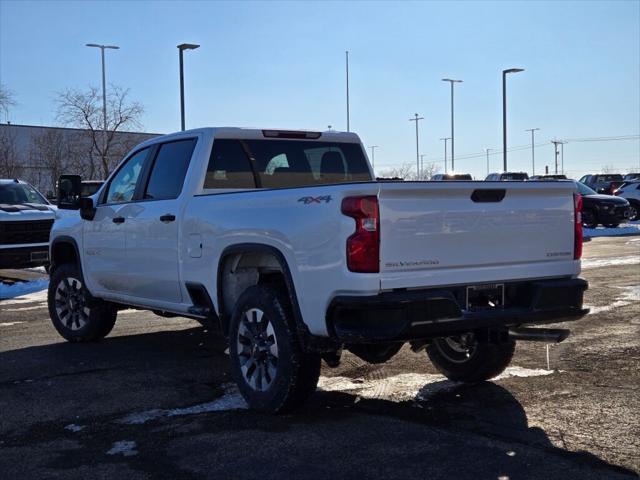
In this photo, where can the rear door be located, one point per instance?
(153, 225)
(467, 232)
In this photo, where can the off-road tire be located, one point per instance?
(589, 218)
(485, 361)
(87, 319)
(296, 372)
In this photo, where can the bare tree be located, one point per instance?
(83, 109)
(608, 169)
(6, 100)
(407, 172)
(55, 153)
(9, 161)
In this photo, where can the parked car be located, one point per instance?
(631, 192)
(284, 241)
(506, 176)
(26, 217)
(451, 176)
(602, 182)
(549, 177)
(608, 210)
(631, 176)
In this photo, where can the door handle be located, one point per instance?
(118, 220)
(167, 218)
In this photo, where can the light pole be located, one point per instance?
(445, 153)
(555, 152)
(504, 113)
(422, 155)
(533, 153)
(347, 67)
(487, 150)
(452, 136)
(104, 97)
(181, 48)
(417, 119)
(373, 155)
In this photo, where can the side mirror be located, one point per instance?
(69, 192)
(87, 209)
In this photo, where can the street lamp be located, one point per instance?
(504, 113)
(533, 153)
(445, 153)
(181, 48)
(104, 96)
(373, 155)
(417, 119)
(452, 136)
(487, 150)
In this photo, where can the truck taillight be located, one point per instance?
(363, 247)
(578, 237)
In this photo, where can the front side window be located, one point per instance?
(123, 184)
(170, 169)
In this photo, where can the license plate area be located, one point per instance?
(39, 256)
(485, 297)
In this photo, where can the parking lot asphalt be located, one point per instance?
(155, 400)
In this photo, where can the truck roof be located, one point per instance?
(262, 134)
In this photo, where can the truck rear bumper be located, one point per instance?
(417, 314)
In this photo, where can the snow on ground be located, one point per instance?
(588, 263)
(631, 228)
(397, 388)
(123, 447)
(22, 289)
(408, 386)
(629, 295)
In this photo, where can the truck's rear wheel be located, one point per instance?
(465, 359)
(267, 362)
(74, 315)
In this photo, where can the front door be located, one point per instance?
(105, 260)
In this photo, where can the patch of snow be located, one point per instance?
(230, 400)
(624, 229)
(407, 386)
(631, 294)
(126, 448)
(588, 263)
(72, 427)
(22, 309)
(24, 292)
(9, 324)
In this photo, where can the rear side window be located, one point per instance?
(169, 169)
(297, 163)
(229, 166)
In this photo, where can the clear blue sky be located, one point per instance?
(282, 65)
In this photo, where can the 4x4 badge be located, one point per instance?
(308, 200)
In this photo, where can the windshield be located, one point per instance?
(584, 190)
(609, 178)
(20, 193)
(514, 176)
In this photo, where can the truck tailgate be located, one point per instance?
(447, 233)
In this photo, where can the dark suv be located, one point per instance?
(597, 209)
(603, 182)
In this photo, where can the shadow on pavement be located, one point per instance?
(465, 431)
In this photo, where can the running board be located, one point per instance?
(549, 335)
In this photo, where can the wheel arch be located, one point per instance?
(268, 265)
(64, 249)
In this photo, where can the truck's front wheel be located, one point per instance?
(464, 358)
(76, 316)
(267, 362)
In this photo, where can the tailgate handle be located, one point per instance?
(488, 195)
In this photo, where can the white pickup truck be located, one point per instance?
(284, 240)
